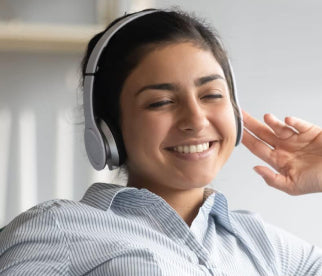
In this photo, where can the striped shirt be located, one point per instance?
(116, 230)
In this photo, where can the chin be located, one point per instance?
(191, 181)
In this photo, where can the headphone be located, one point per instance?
(102, 144)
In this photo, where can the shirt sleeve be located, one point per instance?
(33, 244)
(293, 255)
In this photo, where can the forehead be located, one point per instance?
(183, 53)
(174, 62)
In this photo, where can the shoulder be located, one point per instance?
(253, 229)
(33, 241)
(35, 221)
(43, 238)
(290, 254)
(42, 216)
(76, 236)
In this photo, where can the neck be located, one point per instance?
(185, 202)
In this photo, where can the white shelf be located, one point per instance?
(17, 36)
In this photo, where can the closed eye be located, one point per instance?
(212, 96)
(159, 104)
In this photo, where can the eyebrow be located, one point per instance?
(204, 80)
(172, 87)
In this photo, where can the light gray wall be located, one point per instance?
(275, 50)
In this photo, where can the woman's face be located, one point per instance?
(178, 123)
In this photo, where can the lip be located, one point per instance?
(196, 155)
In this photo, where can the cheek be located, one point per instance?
(224, 119)
(144, 134)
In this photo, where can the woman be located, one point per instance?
(164, 97)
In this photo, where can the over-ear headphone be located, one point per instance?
(102, 145)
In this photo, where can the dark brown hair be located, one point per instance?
(132, 42)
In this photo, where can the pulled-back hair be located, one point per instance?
(136, 39)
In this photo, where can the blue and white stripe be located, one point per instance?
(115, 230)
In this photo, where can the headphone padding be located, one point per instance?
(95, 149)
(112, 147)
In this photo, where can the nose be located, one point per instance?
(192, 117)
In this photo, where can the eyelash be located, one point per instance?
(213, 96)
(159, 104)
(162, 103)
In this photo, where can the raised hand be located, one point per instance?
(293, 148)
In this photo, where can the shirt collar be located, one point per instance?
(217, 205)
(103, 195)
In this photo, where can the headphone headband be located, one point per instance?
(104, 40)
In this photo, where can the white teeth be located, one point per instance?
(205, 146)
(199, 148)
(192, 148)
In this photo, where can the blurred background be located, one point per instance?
(274, 46)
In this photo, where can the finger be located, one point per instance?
(259, 129)
(280, 128)
(258, 147)
(274, 180)
(299, 124)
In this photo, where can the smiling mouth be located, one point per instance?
(188, 149)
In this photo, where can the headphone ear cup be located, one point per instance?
(239, 126)
(95, 148)
(115, 153)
